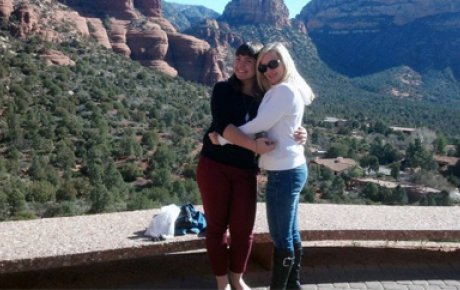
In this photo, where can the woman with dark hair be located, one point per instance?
(227, 175)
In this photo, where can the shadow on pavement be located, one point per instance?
(328, 265)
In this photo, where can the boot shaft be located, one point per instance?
(293, 282)
(282, 265)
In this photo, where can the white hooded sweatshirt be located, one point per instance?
(280, 114)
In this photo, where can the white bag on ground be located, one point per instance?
(163, 223)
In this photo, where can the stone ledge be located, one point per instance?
(72, 241)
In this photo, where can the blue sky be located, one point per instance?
(294, 6)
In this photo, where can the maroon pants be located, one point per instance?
(229, 197)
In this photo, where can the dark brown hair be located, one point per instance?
(252, 50)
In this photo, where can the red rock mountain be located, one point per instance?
(134, 28)
(273, 12)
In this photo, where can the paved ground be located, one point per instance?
(325, 267)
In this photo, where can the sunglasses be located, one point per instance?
(273, 64)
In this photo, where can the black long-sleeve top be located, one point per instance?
(229, 107)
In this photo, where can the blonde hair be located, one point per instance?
(290, 71)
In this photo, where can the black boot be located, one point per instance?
(282, 264)
(294, 277)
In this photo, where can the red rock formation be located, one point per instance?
(6, 8)
(193, 58)
(272, 12)
(117, 34)
(150, 48)
(212, 32)
(99, 32)
(28, 21)
(55, 57)
(150, 8)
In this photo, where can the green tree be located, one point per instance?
(395, 169)
(37, 170)
(100, 198)
(307, 195)
(140, 201)
(371, 192)
(338, 186)
(337, 150)
(150, 139)
(418, 156)
(443, 198)
(130, 171)
(163, 157)
(370, 162)
(456, 169)
(398, 196)
(4, 206)
(161, 177)
(65, 156)
(16, 201)
(113, 179)
(41, 191)
(439, 145)
(66, 192)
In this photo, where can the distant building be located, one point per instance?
(337, 165)
(336, 121)
(445, 162)
(414, 191)
(408, 131)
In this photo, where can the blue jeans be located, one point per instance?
(282, 202)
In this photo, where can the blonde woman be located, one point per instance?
(279, 114)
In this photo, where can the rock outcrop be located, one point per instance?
(150, 48)
(217, 33)
(27, 21)
(6, 8)
(194, 58)
(272, 12)
(55, 57)
(150, 8)
(120, 9)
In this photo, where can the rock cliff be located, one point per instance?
(273, 12)
(362, 37)
(342, 16)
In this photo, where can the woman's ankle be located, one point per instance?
(222, 282)
(236, 279)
